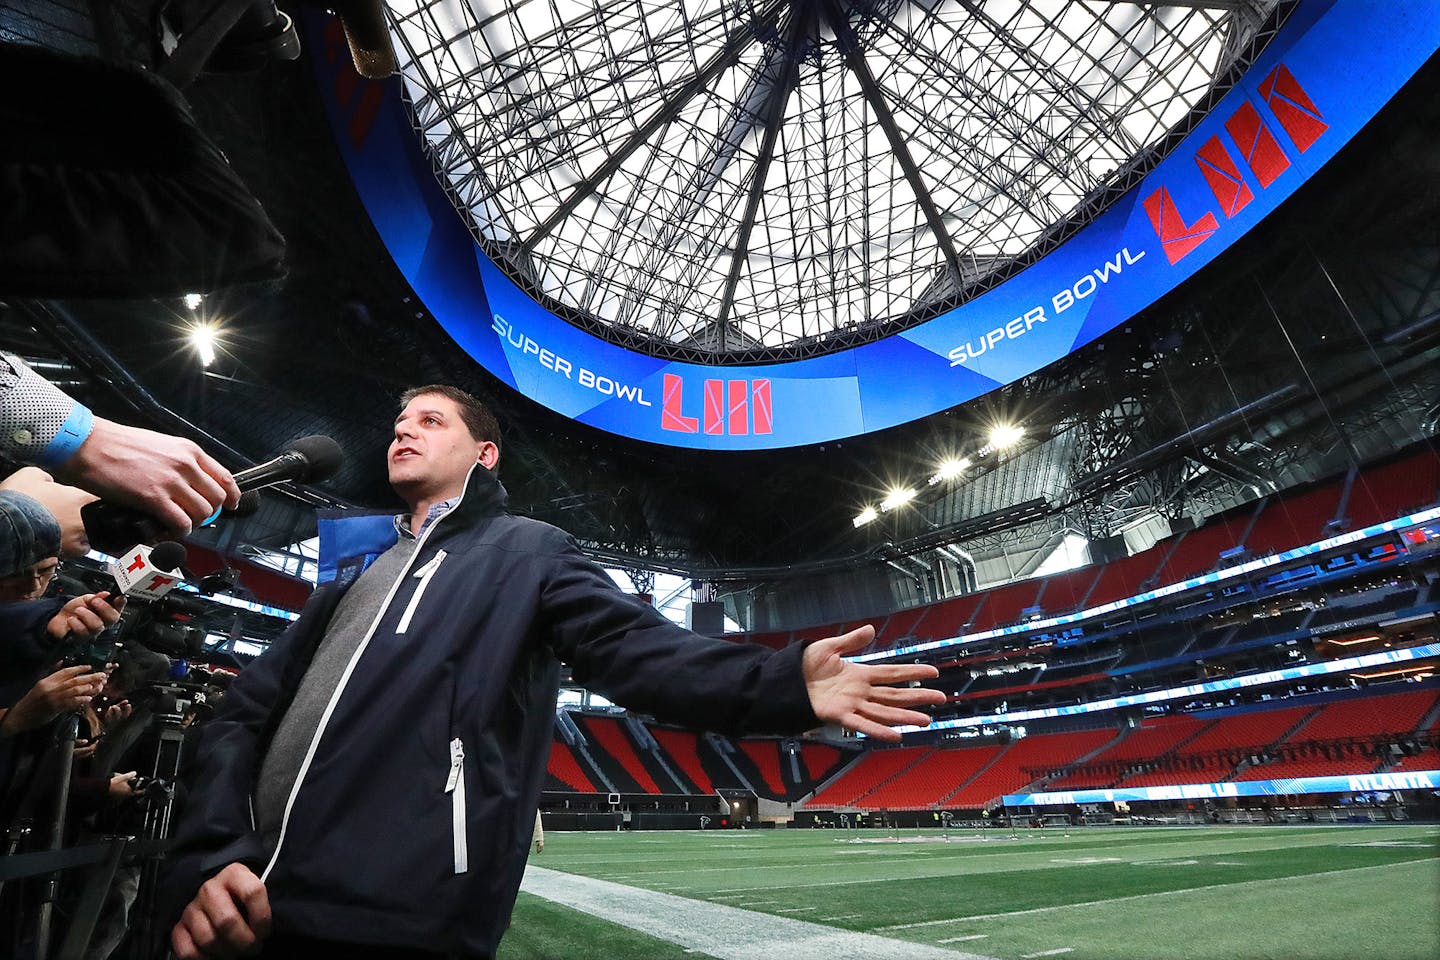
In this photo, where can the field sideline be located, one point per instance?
(1283, 892)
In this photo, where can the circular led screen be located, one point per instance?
(1328, 70)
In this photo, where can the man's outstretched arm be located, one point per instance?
(860, 697)
(628, 651)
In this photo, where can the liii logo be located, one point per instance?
(732, 407)
(1257, 145)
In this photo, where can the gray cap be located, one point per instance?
(28, 533)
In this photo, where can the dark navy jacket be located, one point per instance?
(411, 821)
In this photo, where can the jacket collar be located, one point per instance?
(351, 539)
(484, 495)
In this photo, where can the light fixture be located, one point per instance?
(203, 339)
(949, 470)
(193, 300)
(1354, 640)
(897, 498)
(865, 516)
(1005, 435)
(1401, 671)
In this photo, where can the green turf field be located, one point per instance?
(1285, 892)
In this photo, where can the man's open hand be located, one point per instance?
(229, 917)
(858, 696)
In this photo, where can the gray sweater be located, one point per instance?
(353, 619)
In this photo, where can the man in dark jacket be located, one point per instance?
(370, 783)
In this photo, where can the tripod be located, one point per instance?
(61, 753)
(145, 940)
(69, 730)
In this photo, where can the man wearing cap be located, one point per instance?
(30, 627)
(30, 541)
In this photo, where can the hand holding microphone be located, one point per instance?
(86, 617)
(147, 573)
(113, 526)
(168, 477)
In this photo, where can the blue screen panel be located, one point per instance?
(1332, 66)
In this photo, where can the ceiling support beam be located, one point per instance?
(855, 61)
(728, 56)
(801, 28)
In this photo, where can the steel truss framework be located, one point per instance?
(778, 178)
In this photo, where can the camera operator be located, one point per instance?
(32, 694)
(168, 477)
(30, 544)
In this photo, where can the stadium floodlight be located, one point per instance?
(949, 470)
(1005, 435)
(193, 300)
(865, 516)
(203, 338)
(897, 498)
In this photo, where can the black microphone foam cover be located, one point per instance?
(249, 504)
(167, 555)
(322, 457)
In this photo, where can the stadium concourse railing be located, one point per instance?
(1231, 632)
(1270, 527)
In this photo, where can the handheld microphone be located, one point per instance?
(111, 528)
(148, 573)
(307, 460)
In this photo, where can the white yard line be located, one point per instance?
(972, 936)
(724, 932)
(1046, 953)
(1143, 896)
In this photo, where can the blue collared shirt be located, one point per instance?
(402, 521)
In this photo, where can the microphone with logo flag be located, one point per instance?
(148, 573)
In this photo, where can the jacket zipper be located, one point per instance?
(425, 573)
(345, 679)
(455, 786)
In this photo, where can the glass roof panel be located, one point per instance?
(723, 176)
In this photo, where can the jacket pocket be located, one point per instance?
(455, 786)
(424, 574)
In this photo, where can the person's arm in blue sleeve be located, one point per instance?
(168, 477)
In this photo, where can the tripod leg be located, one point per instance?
(65, 757)
(97, 884)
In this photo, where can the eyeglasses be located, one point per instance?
(34, 580)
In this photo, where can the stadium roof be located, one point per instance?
(1312, 345)
(730, 176)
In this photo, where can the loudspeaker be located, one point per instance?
(1107, 549)
(706, 618)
